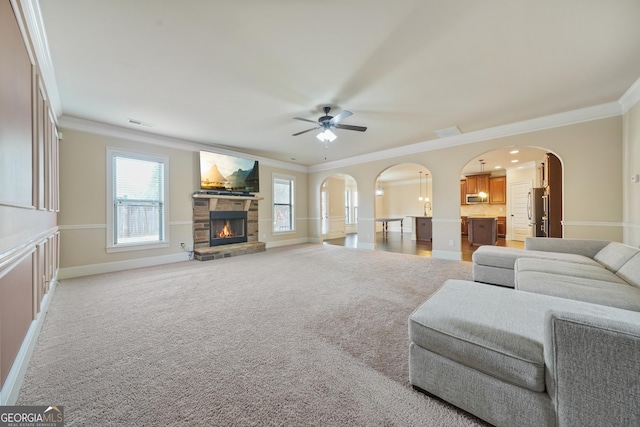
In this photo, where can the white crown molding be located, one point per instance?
(38, 35)
(596, 112)
(631, 97)
(84, 125)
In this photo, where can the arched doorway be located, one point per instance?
(403, 208)
(339, 207)
(517, 183)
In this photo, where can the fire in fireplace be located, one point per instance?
(228, 227)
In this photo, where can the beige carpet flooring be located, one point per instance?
(306, 335)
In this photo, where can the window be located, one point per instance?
(137, 200)
(351, 206)
(283, 203)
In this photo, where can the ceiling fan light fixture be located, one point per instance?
(326, 136)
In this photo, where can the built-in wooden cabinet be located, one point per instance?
(463, 191)
(502, 226)
(478, 183)
(498, 190)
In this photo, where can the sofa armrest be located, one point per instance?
(593, 367)
(585, 247)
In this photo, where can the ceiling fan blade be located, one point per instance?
(305, 131)
(350, 127)
(306, 120)
(343, 115)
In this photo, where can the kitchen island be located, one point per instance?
(422, 228)
(483, 230)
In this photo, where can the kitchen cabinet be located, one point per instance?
(463, 192)
(502, 226)
(478, 183)
(498, 190)
(465, 225)
(423, 228)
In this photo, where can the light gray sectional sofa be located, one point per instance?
(561, 349)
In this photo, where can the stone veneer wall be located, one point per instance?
(202, 224)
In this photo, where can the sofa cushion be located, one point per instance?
(503, 257)
(615, 255)
(585, 247)
(608, 293)
(564, 268)
(495, 330)
(630, 271)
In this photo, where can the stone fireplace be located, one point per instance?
(225, 226)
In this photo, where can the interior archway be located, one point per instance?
(403, 199)
(515, 184)
(339, 207)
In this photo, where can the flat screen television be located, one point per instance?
(222, 173)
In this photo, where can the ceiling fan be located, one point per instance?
(327, 122)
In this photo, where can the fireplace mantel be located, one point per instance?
(203, 204)
(213, 199)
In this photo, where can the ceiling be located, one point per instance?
(233, 73)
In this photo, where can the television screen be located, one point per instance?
(221, 172)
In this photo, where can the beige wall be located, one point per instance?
(266, 212)
(591, 153)
(630, 167)
(83, 212)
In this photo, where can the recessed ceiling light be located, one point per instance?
(514, 161)
(514, 152)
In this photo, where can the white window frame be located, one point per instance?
(165, 242)
(292, 181)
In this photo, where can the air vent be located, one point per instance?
(444, 133)
(140, 123)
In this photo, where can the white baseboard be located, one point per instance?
(279, 243)
(450, 255)
(369, 246)
(109, 267)
(13, 383)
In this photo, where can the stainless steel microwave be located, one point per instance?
(474, 199)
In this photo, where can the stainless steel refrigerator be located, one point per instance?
(536, 212)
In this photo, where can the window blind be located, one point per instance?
(138, 189)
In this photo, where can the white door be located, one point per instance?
(519, 197)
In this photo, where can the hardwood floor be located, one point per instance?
(402, 243)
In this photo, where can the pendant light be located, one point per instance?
(420, 198)
(427, 203)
